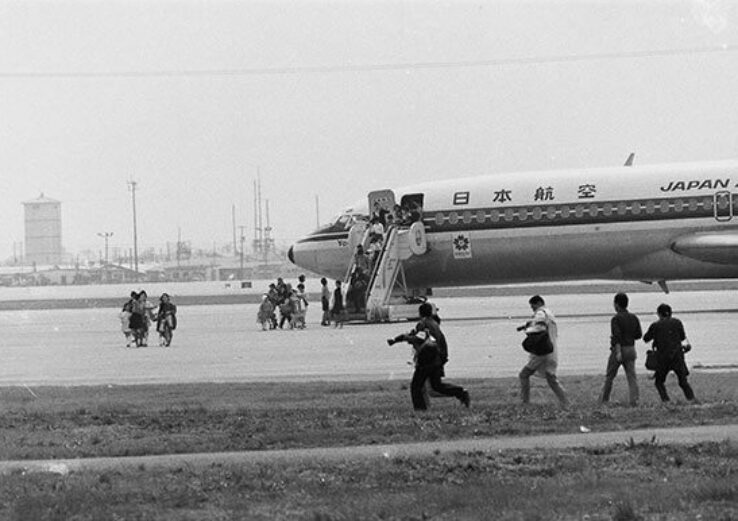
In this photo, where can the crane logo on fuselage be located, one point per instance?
(461, 246)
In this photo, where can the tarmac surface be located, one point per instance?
(223, 343)
(682, 435)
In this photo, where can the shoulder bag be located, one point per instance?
(651, 360)
(538, 343)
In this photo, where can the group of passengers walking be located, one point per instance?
(290, 302)
(541, 343)
(138, 313)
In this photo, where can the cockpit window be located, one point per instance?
(346, 221)
(341, 222)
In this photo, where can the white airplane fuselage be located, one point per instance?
(644, 223)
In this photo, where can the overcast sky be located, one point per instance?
(336, 98)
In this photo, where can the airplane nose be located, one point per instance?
(304, 255)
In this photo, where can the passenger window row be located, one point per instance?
(577, 211)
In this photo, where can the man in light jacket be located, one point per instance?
(544, 364)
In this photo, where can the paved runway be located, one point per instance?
(221, 343)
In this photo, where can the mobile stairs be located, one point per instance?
(388, 297)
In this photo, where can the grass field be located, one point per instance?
(628, 481)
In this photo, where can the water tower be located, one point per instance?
(43, 231)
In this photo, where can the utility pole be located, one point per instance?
(257, 211)
(132, 187)
(243, 238)
(233, 220)
(267, 235)
(212, 265)
(261, 226)
(106, 236)
(179, 243)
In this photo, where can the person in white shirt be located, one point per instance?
(376, 229)
(301, 305)
(325, 302)
(544, 364)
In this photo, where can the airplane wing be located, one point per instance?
(721, 248)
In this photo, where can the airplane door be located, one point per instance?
(723, 205)
(384, 199)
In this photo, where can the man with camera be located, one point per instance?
(431, 353)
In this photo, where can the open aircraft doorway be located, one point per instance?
(412, 205)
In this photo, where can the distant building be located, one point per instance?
(43, 231)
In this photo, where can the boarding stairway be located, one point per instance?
(387, 295)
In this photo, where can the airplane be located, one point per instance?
(648, 223)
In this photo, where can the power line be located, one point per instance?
(382, 67)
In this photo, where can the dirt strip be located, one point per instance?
(682, 435)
